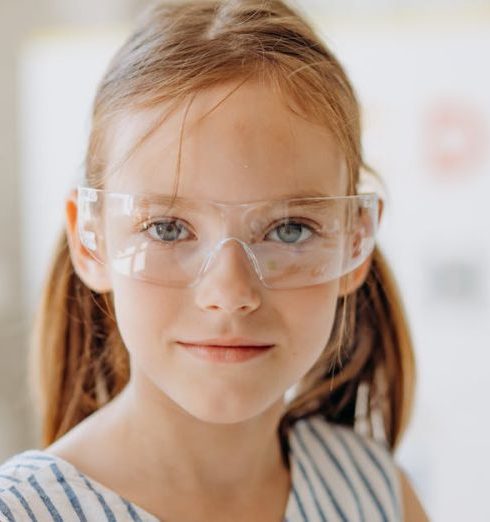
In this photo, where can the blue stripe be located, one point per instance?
(131, 511)
(340, 437)
(46, 500)
(72, 497)
(340, 469)
(376, 462)
(310, 487)
(107, 510)
(8, 477)
(339, 510)
(24, 503)
(40, 457)
(27, 466)
(300, 504)
(4, 509)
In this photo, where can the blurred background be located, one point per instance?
(422, 73)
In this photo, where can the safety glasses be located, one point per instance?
(174, 241)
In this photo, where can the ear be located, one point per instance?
(350, 282)
(93, 273)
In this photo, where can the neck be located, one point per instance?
(172, 448)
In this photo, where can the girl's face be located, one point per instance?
(250, 147)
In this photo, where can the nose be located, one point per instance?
(229, 283)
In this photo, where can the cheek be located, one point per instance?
(143, 312)
(308, 316)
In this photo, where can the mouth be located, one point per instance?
(227, 353)
(235, 342)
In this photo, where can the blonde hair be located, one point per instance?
(79, 361)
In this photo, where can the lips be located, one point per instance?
(234, 342)
(226, 351)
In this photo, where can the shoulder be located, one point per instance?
(20, 476)
(357, 473)
(35, 485)
(412, 508)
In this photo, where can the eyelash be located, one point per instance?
(292, 221)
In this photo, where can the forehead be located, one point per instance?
(229, 144)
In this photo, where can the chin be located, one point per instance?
(225, 409)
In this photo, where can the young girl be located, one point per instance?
(219, 337)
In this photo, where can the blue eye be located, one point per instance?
(166, 231)
(290, 232)
(172, 231)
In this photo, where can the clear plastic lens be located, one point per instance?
(292, 243)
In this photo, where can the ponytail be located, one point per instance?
(78, 361)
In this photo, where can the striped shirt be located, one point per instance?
(336, 475)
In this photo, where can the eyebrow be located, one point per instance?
(305, 194)
(308, 198)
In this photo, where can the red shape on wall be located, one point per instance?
(456, 139)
